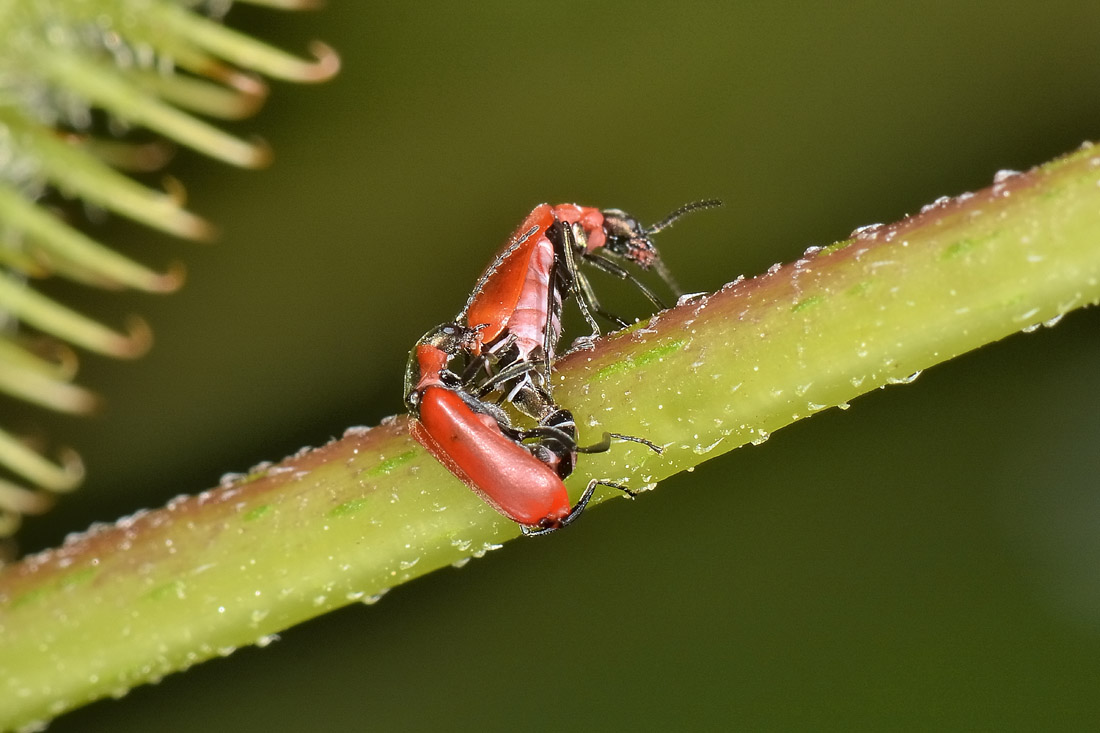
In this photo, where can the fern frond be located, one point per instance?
(63, 63)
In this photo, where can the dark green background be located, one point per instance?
(928, 559)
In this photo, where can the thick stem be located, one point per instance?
(155, 593)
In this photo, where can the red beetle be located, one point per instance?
(521, 481)
(516, 304)
(514, 291)
(504, 473)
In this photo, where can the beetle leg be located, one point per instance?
(586, 298)
(635, 439)
(578, 508)
(602, 262)
(605, 444)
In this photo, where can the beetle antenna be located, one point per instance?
(685, 209)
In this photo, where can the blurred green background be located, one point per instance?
(928, 558)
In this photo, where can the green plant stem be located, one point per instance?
(155, 593)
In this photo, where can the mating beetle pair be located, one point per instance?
(505, 338)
